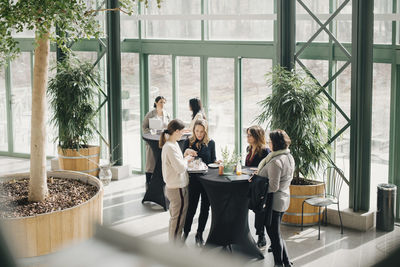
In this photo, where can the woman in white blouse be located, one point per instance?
(197, 112)
(176, 179)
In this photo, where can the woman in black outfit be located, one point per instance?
(256, 151)
(198, 145)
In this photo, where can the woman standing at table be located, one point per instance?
(256, 151)
(278, 166)
(176, 179)
(198, 145)
(163, 115)
(197, 112)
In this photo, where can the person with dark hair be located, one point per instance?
(197, 111)
(256, 151)
(278, 166)
(175, 176)
(198, 145)
(160, 113)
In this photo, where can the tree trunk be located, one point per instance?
(38, 180)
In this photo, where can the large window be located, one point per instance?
(131, 110)
(254, 89)
(3, 112)
(160, 80)
(382, 27)
(243, 29)
(179, 28)
(380, 127)
(21, 102)
(188, 85)
(221, 99)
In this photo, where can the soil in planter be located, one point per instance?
(302, 181)
(63, 194)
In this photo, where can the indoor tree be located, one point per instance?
(76, 20)
(297, 106)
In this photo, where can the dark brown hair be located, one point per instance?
(195, 105)
(258, 134)
(158, 98)
(280, 140)
(171, 128)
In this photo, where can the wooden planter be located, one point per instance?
(298, 193)
(44, 233)
(74, 160)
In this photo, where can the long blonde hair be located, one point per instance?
(171, 128)
(258, 134)
(193, 138)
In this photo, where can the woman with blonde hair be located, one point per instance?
(256, 151)
(176, 179)
(198, 145)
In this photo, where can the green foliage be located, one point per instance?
(76, 18)
(72, 91)
(297, 107)
(229, 158)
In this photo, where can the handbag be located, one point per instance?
(259, 198)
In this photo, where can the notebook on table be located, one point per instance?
(234, 178)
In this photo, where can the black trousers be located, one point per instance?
(259, 222)
(277, 242)
(195, 191)
(148, 177)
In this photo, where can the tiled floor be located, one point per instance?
(124, 211)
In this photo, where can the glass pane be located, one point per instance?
(382, 32)
(3, 112)
(21, 97)
(52, 132)
(172, 29)
(342, 143)
(383, 29)
(318, 68)
(241, 29)
(131, 110)
(188, 73)
(344, 31)
(254, 90)
(306, 26)
(380, 127)
(129, 25)
(221, 103)
(160, 80)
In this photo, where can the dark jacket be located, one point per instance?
(253, 162)
(205, 152)
(259, 197)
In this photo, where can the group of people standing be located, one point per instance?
(184, 191)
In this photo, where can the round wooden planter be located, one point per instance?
(44, 233)
(298, 193)
(85, 160)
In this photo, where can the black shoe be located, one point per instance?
(270, 249)
(261, 243)
(199, 240)
(288, 264)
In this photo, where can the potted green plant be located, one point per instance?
(229, 160)
(297, 106)
(72, 94)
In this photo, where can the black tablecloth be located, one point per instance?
(229, 207)
(155, 189)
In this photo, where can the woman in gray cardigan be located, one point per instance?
(163, 115)
(278, 166)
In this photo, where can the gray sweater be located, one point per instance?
(279, 170)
